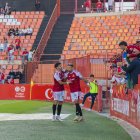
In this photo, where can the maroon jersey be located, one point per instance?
(74, 77)
(58, 76)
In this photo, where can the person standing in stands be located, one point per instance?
(5, 43)
(93, 91)
(133, 69)
(99, 6)
(110, 5)
(37, 5)
(87, 4)
(25, 56)
(18, 42)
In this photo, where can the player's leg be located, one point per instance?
(85, 97)
(55, 102)
(93, 96)
(75, 99)
(59, 106)
(54, 109)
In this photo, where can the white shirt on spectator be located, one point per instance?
(1, 47)
(29, 30)
(30, 54)
(11, 51)
(119, 80)
(110, 2)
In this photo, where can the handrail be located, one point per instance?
(42, 44)
(47, 32)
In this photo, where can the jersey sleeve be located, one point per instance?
(79, 74)
(57, 77)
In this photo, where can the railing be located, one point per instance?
(32, 66)
(47, 32)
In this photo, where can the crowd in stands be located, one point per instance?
(20, 32)
(15, 47)
(126, 66)
(11, 77)
(6, 10)
(98, 7)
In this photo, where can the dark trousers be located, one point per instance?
(93, 96)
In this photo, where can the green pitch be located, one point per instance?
(94, 127)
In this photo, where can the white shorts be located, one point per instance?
(75, 95)
(59, 96)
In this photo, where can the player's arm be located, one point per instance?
(63, 83)
(56, 76)
(82, 78)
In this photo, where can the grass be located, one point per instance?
(94, 127)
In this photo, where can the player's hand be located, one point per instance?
(69, 82)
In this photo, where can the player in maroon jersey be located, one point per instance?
(58, 91)
(74, 77)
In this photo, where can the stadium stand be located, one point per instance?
(96, 34)
(19, 20)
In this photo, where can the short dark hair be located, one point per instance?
(91, 75)
(123, 43)
(57, 64)
(70, 64)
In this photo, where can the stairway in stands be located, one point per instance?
(58, 37)
(44, 24)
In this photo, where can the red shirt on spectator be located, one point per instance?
(25, 52)
(12, 81)
(87, 4)
(9, 48)
(17, 41)
(99, 5)
(2, 76)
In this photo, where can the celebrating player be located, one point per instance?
(74, 77)
(58, 91)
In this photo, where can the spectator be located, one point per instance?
(11, 32)
(99, 6)
(37, 5)
(2, 76)
(5, 43)
(24, 56)
(7, 9)
(17, 32)
(19, 75)
(10, 80)
(110, 5)
(12, 73)
(29, 31)
(2, 12)
(18, 42)
(133, 69)
(1, 47)
(30, 55)
(87, 4)
(10, 54)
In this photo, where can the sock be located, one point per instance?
(54, 109)
(59, 107)
(79, 109)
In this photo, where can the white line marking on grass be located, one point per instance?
(13, 102)
(37, 116)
